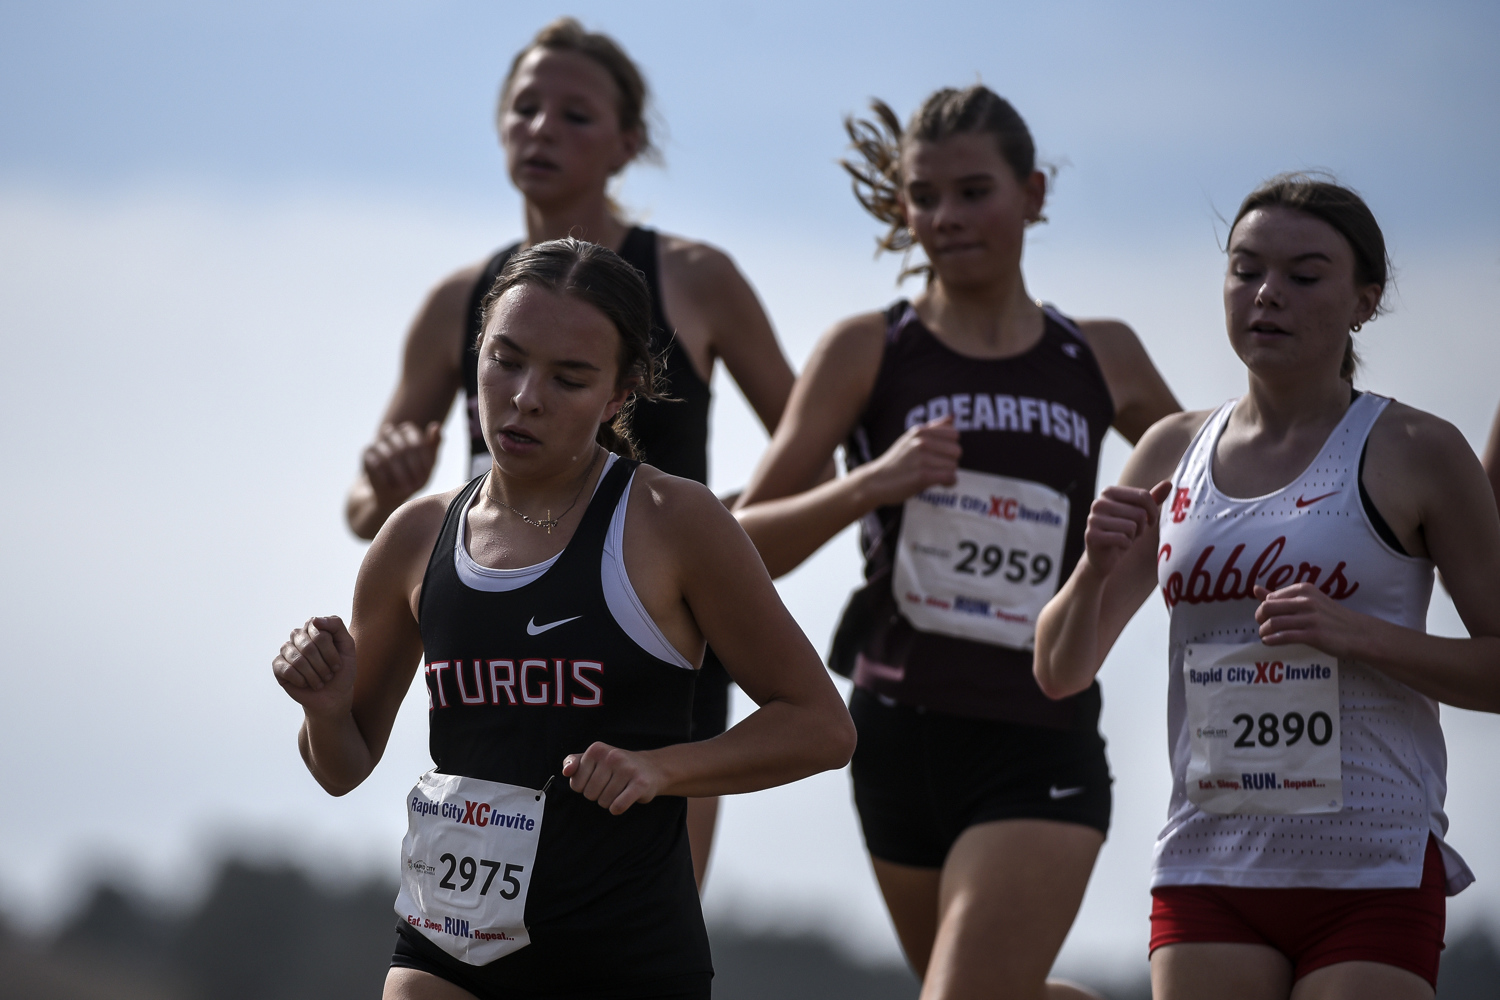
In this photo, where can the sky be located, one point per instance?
(217, 222)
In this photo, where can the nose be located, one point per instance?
(946, 216)
(1269, 292)
(528, 396)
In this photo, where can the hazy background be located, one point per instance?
(215, 224)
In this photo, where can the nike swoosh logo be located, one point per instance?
(532, 628)
(1065, 793)
(1308, 503)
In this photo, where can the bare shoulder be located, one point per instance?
(409, 534)
(437, 331)
(451, 295)
(1418, 440)
(1162, 447)
(699, 267)
(673, 506)
(1110, 337)
(1121, 355)
(853, 339)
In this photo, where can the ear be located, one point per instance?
(631, 142)
(612, 408)
(1036, 195)
(1366, 302)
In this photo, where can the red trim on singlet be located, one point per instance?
(1314, 928)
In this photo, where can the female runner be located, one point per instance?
(561, 604)
(973, 419)
(572, 114)
(1303, 855)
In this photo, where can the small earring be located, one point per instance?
(1356, 327)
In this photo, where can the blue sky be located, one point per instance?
(218, 220)
(1156, 110)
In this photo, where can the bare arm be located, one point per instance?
(1139, 393)
(702, 286)
(1427, 483)
(783, 510)
(800, 727)
(1079, 626)
(350, 682)
(399, 461)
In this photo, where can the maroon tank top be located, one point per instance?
(1039, 416)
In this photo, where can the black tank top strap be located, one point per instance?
(640, 251)
(588, 539)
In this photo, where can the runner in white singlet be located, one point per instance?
(1293, 534)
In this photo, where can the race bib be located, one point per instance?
(979, 559)
(1264, 728)
(466, 864)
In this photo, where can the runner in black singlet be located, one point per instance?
(560, 602)
(571, 116)
(971, 419)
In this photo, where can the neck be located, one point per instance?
(1279, 406)
(996, 317)
(588, 218)
(554, 491)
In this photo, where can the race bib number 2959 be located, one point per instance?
(466, 864)
(979, 559)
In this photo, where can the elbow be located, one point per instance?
(835, 743)
(1052, 686)
(842, 742)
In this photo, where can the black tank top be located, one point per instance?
(672, 434)
(921, 379)
(612, 898)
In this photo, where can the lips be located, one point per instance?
(518, 436)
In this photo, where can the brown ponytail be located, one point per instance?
(876, 170)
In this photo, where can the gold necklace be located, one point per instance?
(549, 522)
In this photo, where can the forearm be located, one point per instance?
(1464, 673)
(789, 529)
(335, 752)
(779, 743)
(1067, 635)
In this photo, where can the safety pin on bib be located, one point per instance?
(545, 787)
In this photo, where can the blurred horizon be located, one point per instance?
(220, 222)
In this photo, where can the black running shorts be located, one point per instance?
(921, 778)
(491, 982)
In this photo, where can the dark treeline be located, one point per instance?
(271, 932)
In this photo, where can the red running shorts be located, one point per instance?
(1314, 927)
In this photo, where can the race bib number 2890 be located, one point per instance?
(1263, 726)
(466, 864)
(979, 559)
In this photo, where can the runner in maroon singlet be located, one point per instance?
(971, 419)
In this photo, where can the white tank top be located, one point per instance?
(1214, 549)
(619, 594)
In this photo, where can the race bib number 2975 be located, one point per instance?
(466, 864)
